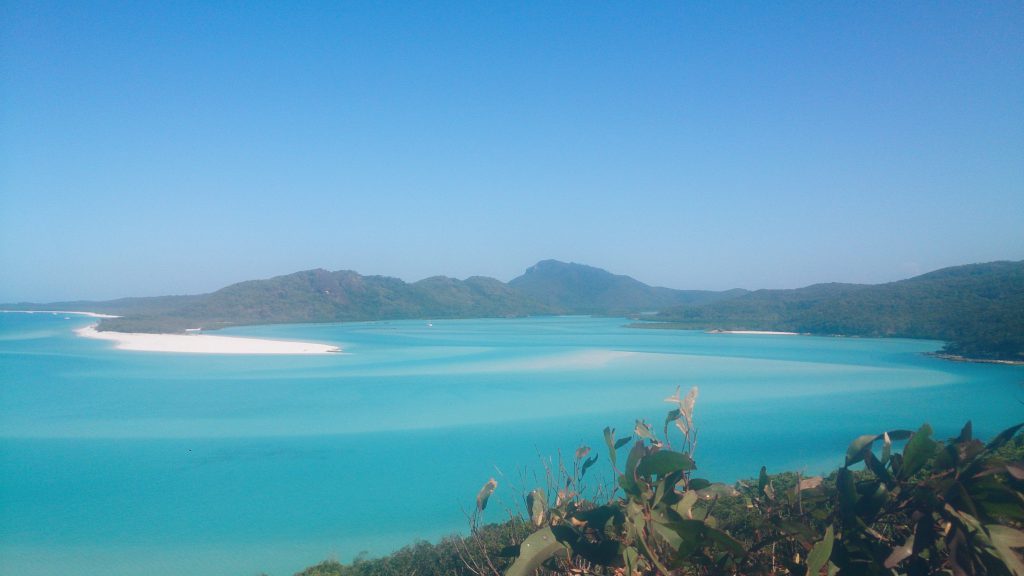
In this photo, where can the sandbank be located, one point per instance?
(90, 314)
(959, 358)
(759, 332)
(204, 343)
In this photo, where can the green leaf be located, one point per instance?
(649, 554)
(900, 553)
(877, 467)
(900, 434)
(924, 534)
(793, 528)
(662, 488)
(997, 500)
(698, 484)
(696, 534)
(961, 500)
(946, 458)
(966, 433)
(628, 478)
(671, 416)
(609, 439)
(601, 552)
(847, 496)
(622, 441)
(857, 449)
(1005, 539)
(874, 495)
(643, 430)
(1016, 470)
(1004, 437)
(587, 464)
(667, 534)
(820, 553)
(689, 534)
(534, 551)
(916, 453)
(724, 540)
(631, 558)
(598, 517)
(537, 505)
(1005, 535)
(665, 462)
(685, 505)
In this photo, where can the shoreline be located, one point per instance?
(55, 312)
(958, 358)
(937, 355)
(203, 343)
(754, 332)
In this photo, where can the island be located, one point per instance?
(976, 309)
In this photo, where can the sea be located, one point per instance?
(120, 463)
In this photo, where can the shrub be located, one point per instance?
(952, 508)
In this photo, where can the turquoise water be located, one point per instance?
(124, 463)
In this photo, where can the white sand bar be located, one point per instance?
(204, 343)
(761, 332)
(55, 312)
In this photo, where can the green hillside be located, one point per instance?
(120, 306)
(978, 309)
(550, 287)
(343, 296)
(579, 289)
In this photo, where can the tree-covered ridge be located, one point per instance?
(550, 287)
(120, 306)
(342, 296)
(977, 309)
(580, 289)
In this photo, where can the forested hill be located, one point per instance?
(550, 287)
(978, 309)
(579, 289)
(120, 306)
(342, 296)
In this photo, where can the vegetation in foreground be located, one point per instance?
(954, 507)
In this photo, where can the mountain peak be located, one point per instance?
(581, 289)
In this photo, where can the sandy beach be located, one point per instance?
(758, 332)
(55, 312)
(204, 343)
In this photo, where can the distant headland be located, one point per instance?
(977, 309)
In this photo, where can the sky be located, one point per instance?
(151, 148)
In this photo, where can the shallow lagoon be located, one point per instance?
(116, 462)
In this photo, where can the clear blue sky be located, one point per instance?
(174, 147)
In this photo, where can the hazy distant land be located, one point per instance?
(978, 309)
